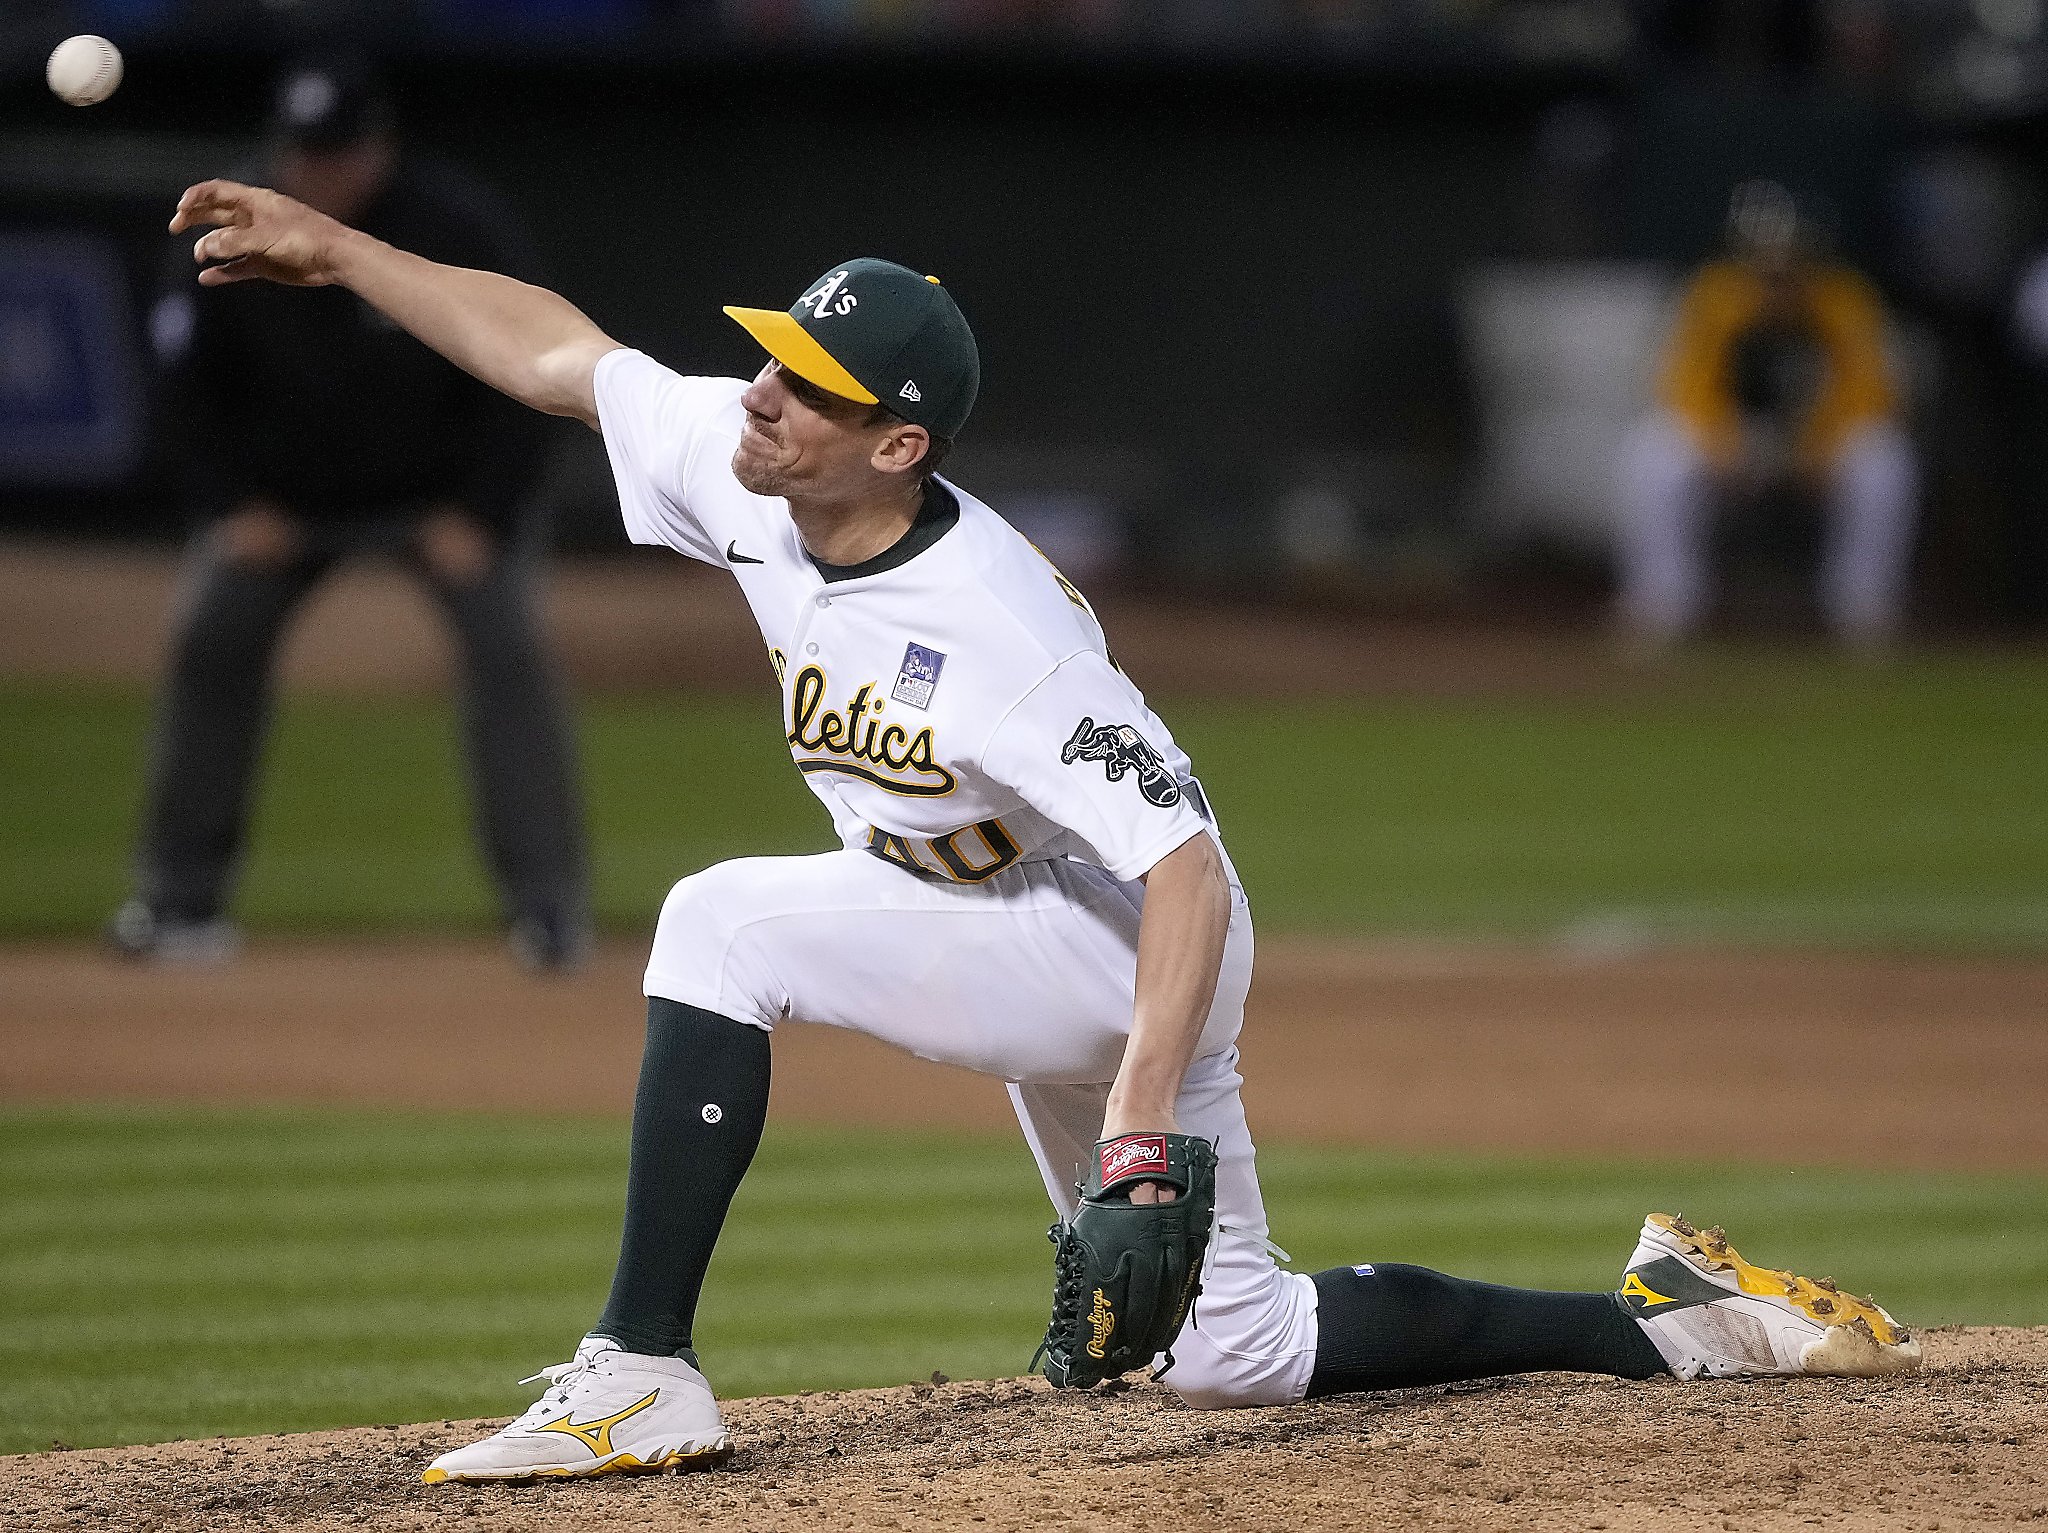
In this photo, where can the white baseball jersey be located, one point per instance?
(954, 705)
(957, 711)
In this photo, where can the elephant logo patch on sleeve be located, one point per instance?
(1121, 749)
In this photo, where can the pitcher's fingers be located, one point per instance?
(237, 270)
(218, 192)
(191, 214)
(209, 202)
(225, 244)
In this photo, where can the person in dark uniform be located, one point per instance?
(312, 430)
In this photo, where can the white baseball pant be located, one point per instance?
(1029, 977)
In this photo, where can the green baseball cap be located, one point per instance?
(878, 333)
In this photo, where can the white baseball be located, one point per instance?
(84, 69)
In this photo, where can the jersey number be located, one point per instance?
(946, 856)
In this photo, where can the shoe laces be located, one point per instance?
(561, 1379)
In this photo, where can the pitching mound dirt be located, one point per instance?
(1958, 1445)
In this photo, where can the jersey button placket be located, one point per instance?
(806, 616)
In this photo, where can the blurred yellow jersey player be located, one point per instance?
(1775, 374)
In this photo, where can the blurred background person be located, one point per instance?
(1774, 387)
(313, 431)
(2027, 444)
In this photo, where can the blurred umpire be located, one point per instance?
(313, 431)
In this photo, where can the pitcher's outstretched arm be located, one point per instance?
(522, 340)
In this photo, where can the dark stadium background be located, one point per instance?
(1213, 252)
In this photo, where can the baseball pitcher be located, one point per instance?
(1030, 883)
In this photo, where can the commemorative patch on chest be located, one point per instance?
(919, 677)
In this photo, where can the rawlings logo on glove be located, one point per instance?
(1104, 1321)
(1125, 1274)
(1134, 1153)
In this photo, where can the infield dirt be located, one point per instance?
(1929, 1062)
(1959, 1445)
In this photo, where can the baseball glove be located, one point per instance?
(1124, 1273)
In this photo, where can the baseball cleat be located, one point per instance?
(551, 941)
(1711, 1314)
(606, 1411)
(137, 931)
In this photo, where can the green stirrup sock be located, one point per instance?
(1388, 1326)
(697, 1120)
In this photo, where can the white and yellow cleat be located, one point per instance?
(604, 1412)
(1711, 1314)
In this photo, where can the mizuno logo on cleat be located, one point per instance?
(1666, 1284)
(597, 1435)
(1633, 1287)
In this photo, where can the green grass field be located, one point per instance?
(184, 1273)
(1753, 798)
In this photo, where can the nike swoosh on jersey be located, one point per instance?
(734, 556)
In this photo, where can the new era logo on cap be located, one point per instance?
(910, 391)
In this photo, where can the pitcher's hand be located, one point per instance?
(258, 233)
(1120, 1120)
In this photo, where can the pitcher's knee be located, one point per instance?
(697, 956)
(1251, 1339)
(1211, 1378)
(697, 916)
(689, 902)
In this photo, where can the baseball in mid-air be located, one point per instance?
(84, 69)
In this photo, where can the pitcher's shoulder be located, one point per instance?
(1018, 575)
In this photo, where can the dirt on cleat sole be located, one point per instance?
(1862, 1339)
(624, 1463)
